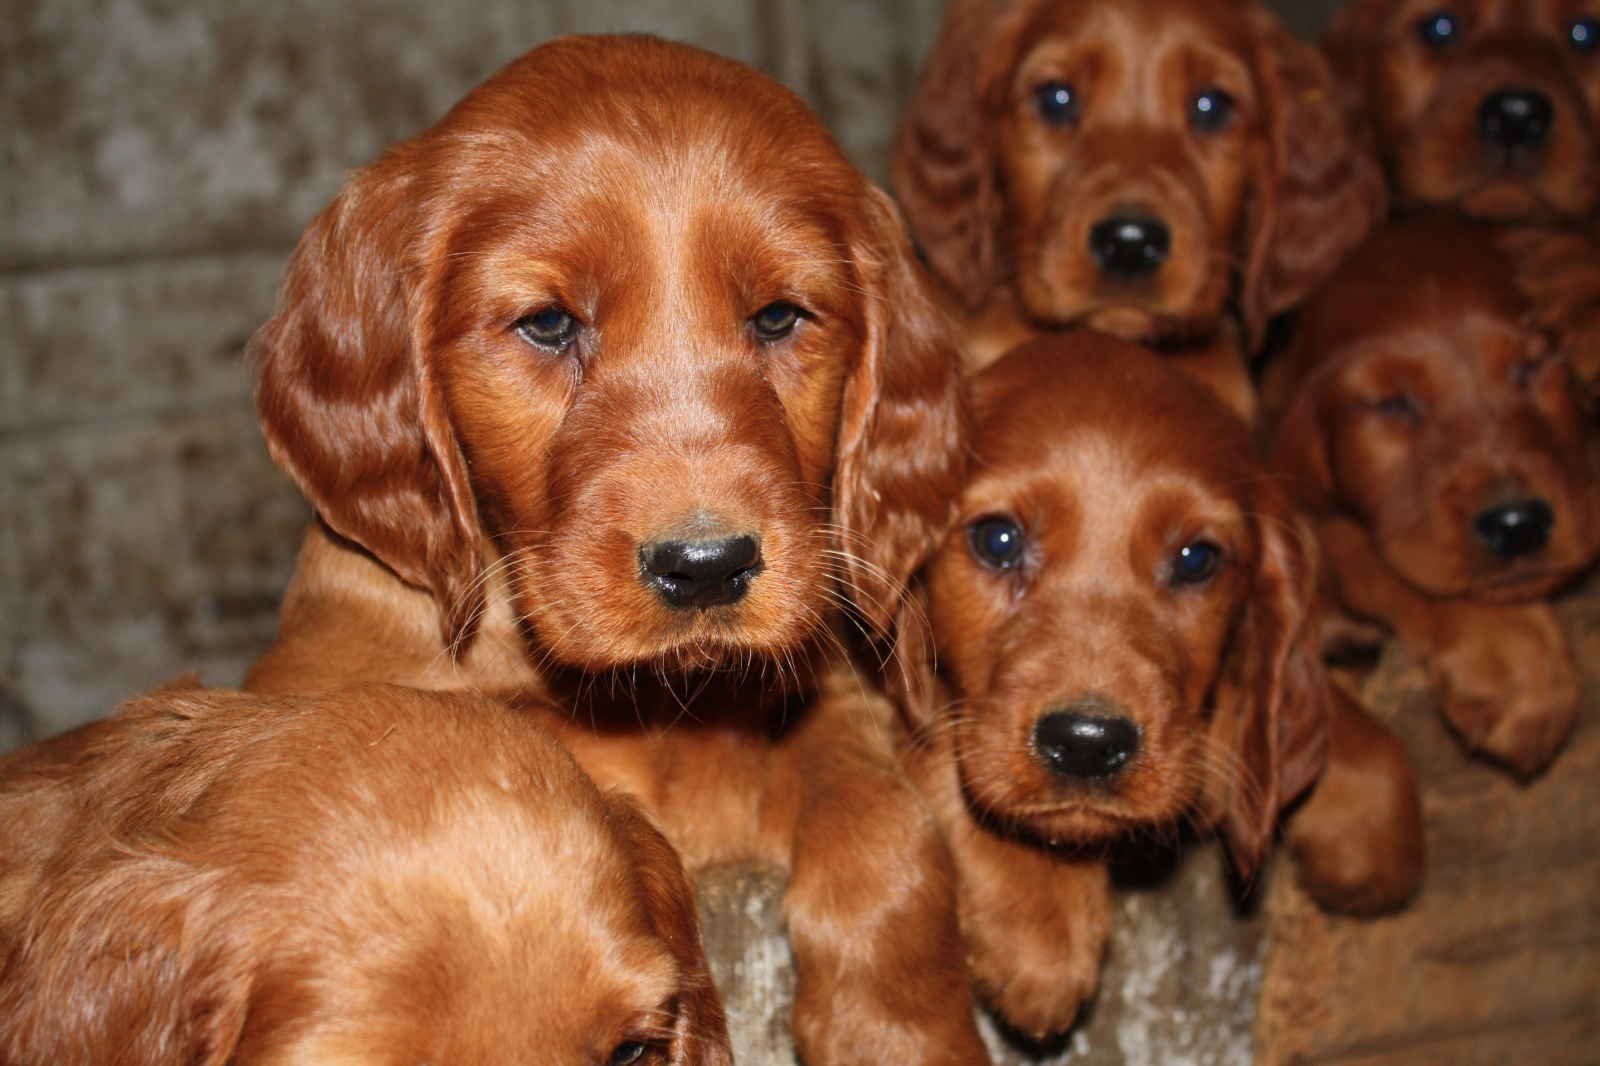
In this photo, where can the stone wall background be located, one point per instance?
(158, 158)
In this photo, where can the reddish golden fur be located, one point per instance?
(375, 876)
(1109, 462)
(663, 196)
(1419, 391)
(1001, 202)
(1420, 105)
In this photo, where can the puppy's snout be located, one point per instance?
(1129, 245)
(1515, 529)
(1514, 117)
(700, 573)
(1087, 739)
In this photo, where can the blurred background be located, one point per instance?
(158, 160)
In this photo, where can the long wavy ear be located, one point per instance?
(903, 430)
(1321, 193)
(700, 1036)
(1272, 709)
(347, 403)
(943, 165)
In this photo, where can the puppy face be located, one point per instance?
(1135, 165)
(380, 877)
(1128, 141)
(1443, 422)
(1117, 604)
(661, 358)
(1488, 105)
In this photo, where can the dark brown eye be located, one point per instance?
(775, 321)
(552, 329)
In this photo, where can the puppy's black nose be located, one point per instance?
(1130, 246)
(1084, 745)
(1515, 529)
(1515, 118)
(700, 573)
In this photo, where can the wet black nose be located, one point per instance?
(1084, 745)
(700, 573)
(1515, 118)
(1130, 246)
(1515, 529)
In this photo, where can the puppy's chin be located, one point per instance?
(1509, 198)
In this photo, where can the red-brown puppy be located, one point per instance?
(1434, 429)
(1486, 105)
(377, 876)
(616, 387)
(1122, 615)
(1171, 171)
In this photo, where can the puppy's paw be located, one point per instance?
(1509, 686)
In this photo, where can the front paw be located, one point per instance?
(1035, 966)
(1510, 688)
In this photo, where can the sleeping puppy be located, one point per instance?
(1169, 171)
(375, 876)
(1488, 106)
(1122, 615)
(1427, 414)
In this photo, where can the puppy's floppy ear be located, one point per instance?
(1297, 430)
(943, 166)
(903, 429)
(129, 958)
(347, 401)
(701, 1032)
(1271, 710)
(1321, 192)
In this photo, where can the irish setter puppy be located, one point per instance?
(618, 388)
(1434, 428)
(375, 876)
(1174, 172)
(1485, 105)
(1122, 616)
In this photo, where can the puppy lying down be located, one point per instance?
(379, 875)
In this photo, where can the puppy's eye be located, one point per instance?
(1401, 405)
(1584, 35)
(627, 1053)
(553, 329)
(1211, 111)
(1439, 29)
(1195, 562)
(1057, 103)
(775, 321)
(997, 542)
(1524, 373)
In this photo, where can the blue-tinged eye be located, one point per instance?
(1211, 111)
(1401, 406)
(997, 541)
(627, 1053)
(1057, 103)
(553, 329)
(1439, 29)
(1584, 35)
(1195, 562)
(775, 321)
